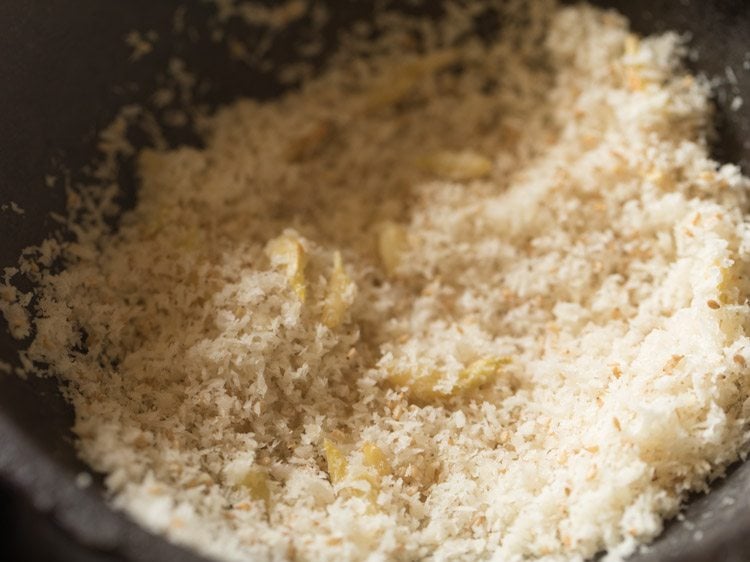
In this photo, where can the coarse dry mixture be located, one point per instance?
(482, 302)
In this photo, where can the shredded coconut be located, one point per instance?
(459, 301)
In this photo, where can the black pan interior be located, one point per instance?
(64, 72)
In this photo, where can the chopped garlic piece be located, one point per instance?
(376, 464)
(420, 387)
(480, 372)
(336, 460)
(428, 387)
(458, 166)
(374, 457)
(288, 252)
(337, 299)
(257, 484)
(392, 243)
(374, 461)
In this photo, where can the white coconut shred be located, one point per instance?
(480, 302)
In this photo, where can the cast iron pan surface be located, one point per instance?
(64, 72)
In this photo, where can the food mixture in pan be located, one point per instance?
(469, 301)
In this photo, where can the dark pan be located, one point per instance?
(65, 70)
